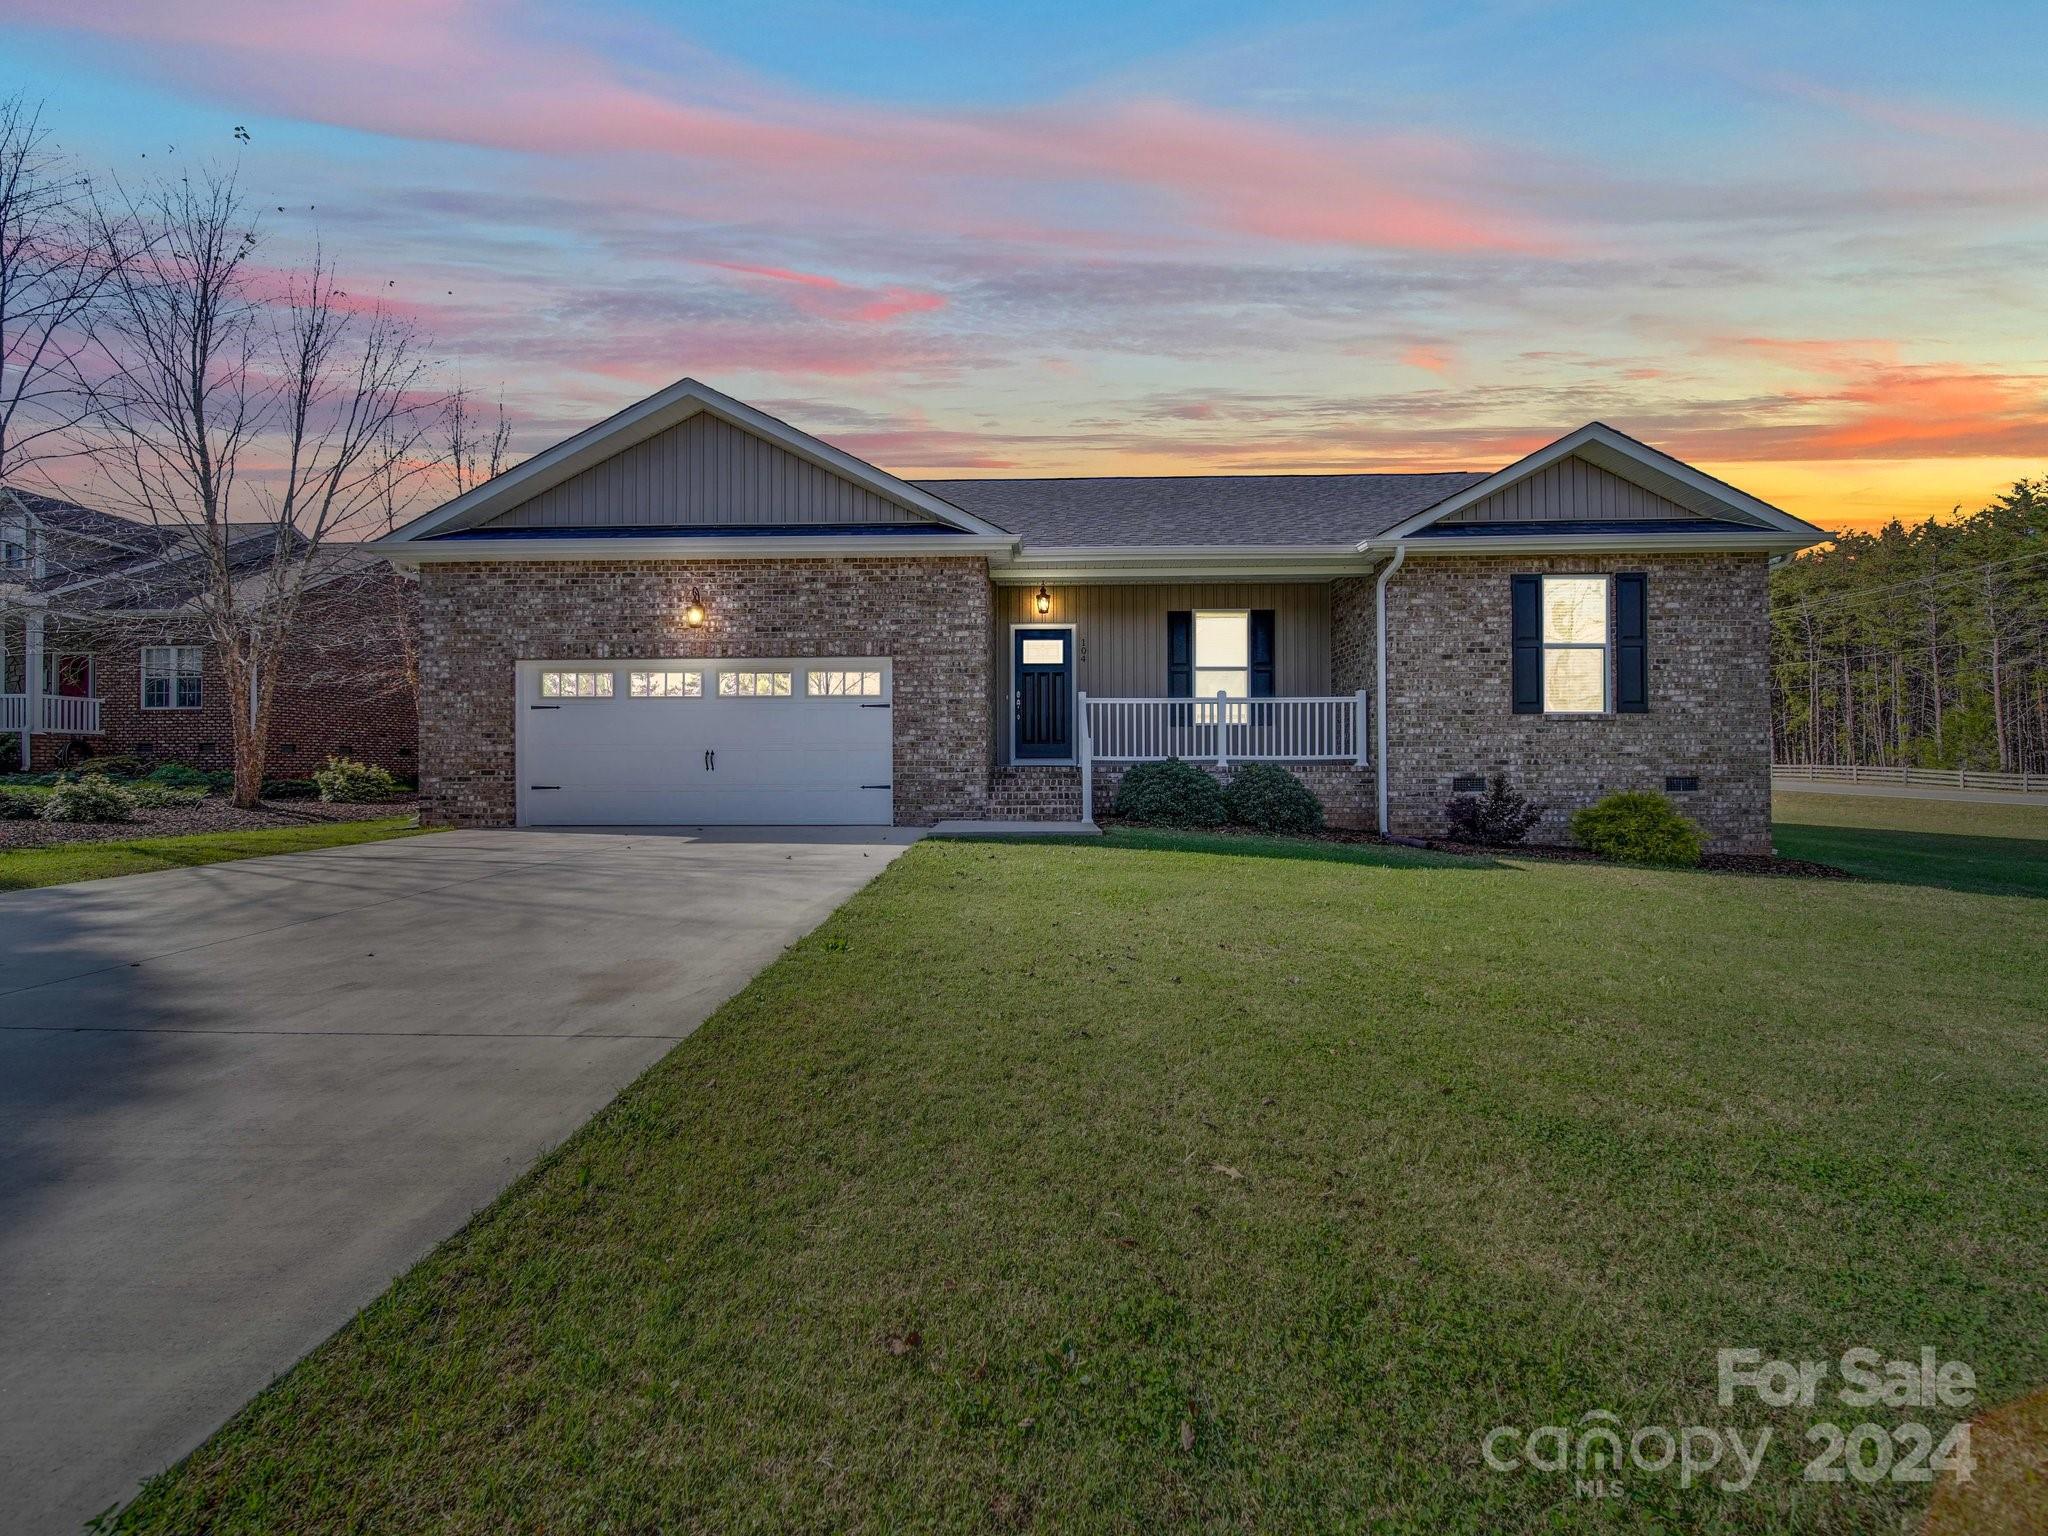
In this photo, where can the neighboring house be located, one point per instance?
(103, 653)
(693, 613)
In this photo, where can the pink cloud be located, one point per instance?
(1428, 358)
(460, 71)
(830, 299)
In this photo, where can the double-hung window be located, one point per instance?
(1575, 644)
(171, 676)
(1223, 652)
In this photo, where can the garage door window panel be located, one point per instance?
(833, 684)
(665, 685)
(753, 685)
(575, 685)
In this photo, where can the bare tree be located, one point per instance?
(260, 417)
(471, 453)
(55, 260)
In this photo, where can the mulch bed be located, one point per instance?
(1721, 863)
(213, 814)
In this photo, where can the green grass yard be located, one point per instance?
(23, 869)
(1994, 849)
(1186, 1182)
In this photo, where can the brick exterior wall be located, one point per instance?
(341, 691)
(1053, 793)
(1449, 631)
(931, 616)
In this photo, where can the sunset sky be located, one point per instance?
(1804, 246)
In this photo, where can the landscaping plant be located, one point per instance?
(1170, 794)
(1500, 818)
(92, 798)
(1639, 827)
(20, 805)
(155, 795)
(1267, 798)
(180, 776)
(346, 781)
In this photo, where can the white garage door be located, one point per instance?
(775, 742)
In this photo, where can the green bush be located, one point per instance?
(1500, 818)
(1267, 798)
(153, 795)
(179, 776)
(348, 782)
(21, 805)
(121, 766)
(1169, 794)
(1639, 827)
(289, 789)
(93, 798)
(30, 780)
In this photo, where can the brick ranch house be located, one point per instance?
(693, 613)
(101, 653)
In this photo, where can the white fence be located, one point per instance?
(13, 711)
(1931, 778)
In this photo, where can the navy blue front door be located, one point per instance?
(1044, 703)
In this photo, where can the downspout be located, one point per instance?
(1379, 652)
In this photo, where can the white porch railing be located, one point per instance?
(62, 715)
(1222, 730)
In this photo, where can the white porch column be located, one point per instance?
(1222, 728)
(31, 680)
(1087, 763)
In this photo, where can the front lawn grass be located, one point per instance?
(23, 869)
(1155, 1183)
(1962, 845)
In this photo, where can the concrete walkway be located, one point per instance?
(236, 1101)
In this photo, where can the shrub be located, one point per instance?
(1500, 818)
(1170, 794)
(348, 782)
(121, 766)
(1638, 827)
(93, 798)
(154, 795)
(20, 805)
(1267, 798)
(179, 776)
(289, 789)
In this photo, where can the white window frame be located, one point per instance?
(1605, 646)
(540, 685)
(1195, 667)
(172, 678)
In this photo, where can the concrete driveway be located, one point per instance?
(236, 1101)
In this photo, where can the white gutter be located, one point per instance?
(1379, 717)
(435, 551)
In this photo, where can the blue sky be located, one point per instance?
(1801, 245)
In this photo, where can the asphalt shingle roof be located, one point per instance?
(1251, 510)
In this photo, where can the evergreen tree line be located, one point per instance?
(1925, 646)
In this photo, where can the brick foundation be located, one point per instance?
(931, 616)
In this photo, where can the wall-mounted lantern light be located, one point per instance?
(1043, 602)
(693, 615)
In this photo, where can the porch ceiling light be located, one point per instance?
(1042, 602)
(693, 614)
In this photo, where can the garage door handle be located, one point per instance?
(543, 786)
(710, 761)
(874, 706)
(543, 706)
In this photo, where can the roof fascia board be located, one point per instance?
(440, 552)
(638, 422)
(1637, 543)
(1228, 562)
(1615, 448)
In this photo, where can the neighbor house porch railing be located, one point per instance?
(1222, 730)
(62, 715)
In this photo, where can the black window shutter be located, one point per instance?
(1180, 654)
(1631, 644)
(1261, 637)
(1528, 645)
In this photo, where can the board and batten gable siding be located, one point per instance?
(705, 472)
(1120, 635)
(1571, 490)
